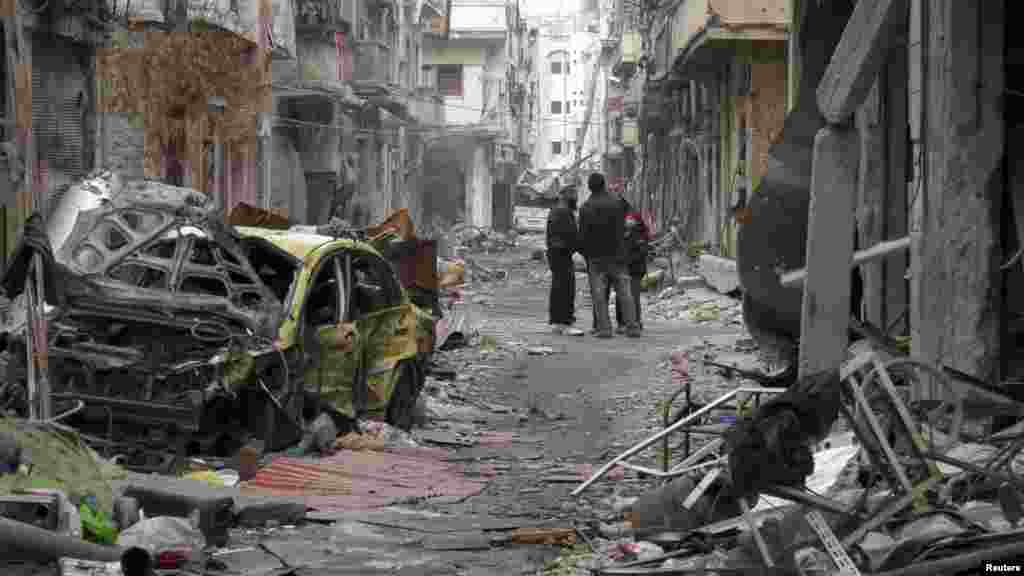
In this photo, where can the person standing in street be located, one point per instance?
(562, 242)
(603, 243)
(637, 247)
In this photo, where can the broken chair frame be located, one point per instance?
(865, 369)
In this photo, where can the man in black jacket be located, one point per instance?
(562, 237)
(637, 250)
(603, 243)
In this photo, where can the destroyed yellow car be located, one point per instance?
(169, 330)
(362, 339)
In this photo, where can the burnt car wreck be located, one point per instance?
(162, 335)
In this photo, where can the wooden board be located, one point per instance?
(895, 223)
(858, 58)
(870, 122)
(826, 302)
(959, 256)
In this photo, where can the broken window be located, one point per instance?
(140, 275)
(142, 222)
(374, 287)
(323, 306)
(206, 285)
(202, 252)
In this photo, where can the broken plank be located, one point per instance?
(826, 301)
(858, 58)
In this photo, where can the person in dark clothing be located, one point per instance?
(637, 248)
(602, 240)
(562, 238)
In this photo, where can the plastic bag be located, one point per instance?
(165, 533)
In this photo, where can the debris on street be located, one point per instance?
(790, 481)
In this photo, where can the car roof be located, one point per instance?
(301, 244)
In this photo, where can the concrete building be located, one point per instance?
(476, 66)
(709, 100)
(568, 51)
(351, 110)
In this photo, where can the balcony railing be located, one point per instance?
(372, 62)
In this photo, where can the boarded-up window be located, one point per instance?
(449, 79)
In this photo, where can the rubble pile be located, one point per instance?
(695, 304)
(465, 238)
(791, 487)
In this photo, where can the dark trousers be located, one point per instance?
(635, 291)
(562, 302)
(604, 274)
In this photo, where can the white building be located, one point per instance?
(567, 54)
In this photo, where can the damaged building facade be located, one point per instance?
(337, 123)
(476, 63)
(715, 124)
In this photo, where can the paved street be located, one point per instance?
(574, 401)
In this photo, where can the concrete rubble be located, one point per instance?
(965, 517)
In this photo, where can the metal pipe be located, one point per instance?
(880, 250)
(49, 545)
(659, 435)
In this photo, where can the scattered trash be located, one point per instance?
(166, 534)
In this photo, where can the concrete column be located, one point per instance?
(479, 180)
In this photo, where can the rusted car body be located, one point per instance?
(179, 332)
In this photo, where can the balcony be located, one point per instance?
(319, 15)
(372, 63)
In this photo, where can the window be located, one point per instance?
(373, 286)
(556, 147)
(568, 106)
(556, 68)
(556, 106)
(449, 80)
(323, 306)
(566, 67)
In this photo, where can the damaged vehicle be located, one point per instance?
(353, 331)
(169, 330)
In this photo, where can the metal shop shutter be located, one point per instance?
(57, 121)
